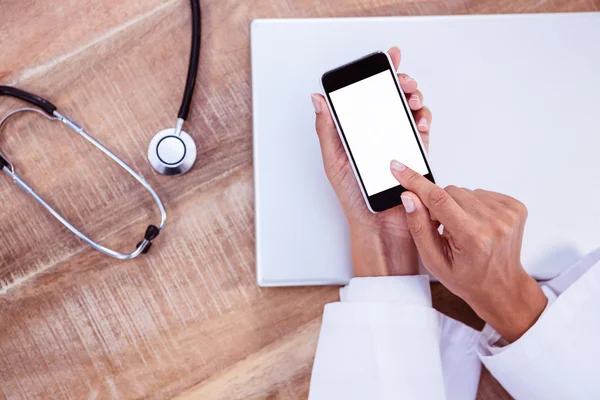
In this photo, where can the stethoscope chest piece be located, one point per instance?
(172, 152)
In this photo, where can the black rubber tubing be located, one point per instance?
(190, 82)
(44, 104)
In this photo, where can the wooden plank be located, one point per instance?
(38, 35)
(187, 318)
(268, 373)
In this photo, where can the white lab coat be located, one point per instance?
(384, 340)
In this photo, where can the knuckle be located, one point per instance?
(336, 169)
(503, 229)
(483, 242)
(438, 197)
(416, 228)
(512, 217)
(413, 178)
(419, 95)
(521, 209)
(452, 189)
(426, 112)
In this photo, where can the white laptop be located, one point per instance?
(516, 105)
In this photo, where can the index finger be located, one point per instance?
(439, 203)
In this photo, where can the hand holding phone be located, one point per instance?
(371, 234)
(373, 118)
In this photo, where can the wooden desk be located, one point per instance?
(187, 319)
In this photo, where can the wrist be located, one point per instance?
(513, 312)
(375, 253)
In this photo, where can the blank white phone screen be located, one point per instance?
(377, 130)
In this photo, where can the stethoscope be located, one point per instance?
(172, 151)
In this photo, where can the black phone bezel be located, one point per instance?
(353, 72)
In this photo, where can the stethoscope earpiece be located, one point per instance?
(172, 151)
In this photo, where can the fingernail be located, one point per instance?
(316, 103)
(423, 124)
(415, 102)
(397, 166)
(408, 80)
(408, 203)
(410, 85)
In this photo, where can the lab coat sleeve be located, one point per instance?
(461, 366)
(380, 342)
(558, 357)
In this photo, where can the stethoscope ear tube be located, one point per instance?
(44, 104)
(190, 81)
(3, 163)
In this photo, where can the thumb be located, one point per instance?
(328, 136)
(430, 244)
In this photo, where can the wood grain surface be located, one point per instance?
(187, 319)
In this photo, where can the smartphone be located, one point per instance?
(375, 125)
